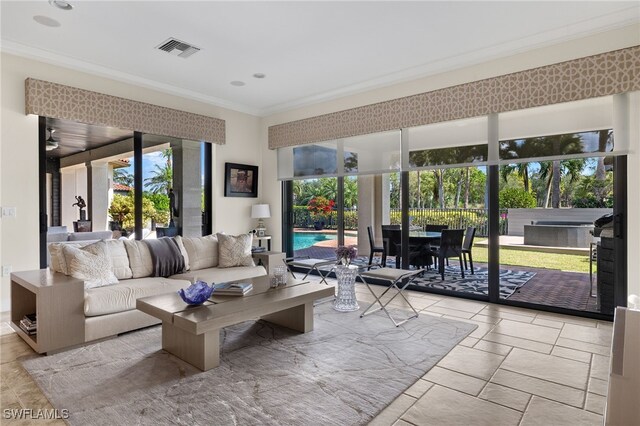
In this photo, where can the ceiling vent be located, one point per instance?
(178, 48)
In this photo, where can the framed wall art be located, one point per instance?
(241, 180)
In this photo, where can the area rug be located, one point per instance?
(342, 373)
(478, 283)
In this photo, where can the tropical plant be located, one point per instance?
(122, 210)
(320, 206)
(515, 198)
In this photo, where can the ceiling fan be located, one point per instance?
(51, 143)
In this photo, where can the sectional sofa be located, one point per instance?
(110, 310)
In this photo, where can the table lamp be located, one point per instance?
(260, 212)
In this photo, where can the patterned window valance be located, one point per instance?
(69, 103)
(590, 77)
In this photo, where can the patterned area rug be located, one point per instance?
(342, 373)
(478, 283)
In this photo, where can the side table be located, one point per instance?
(266, 238)
(269, 259)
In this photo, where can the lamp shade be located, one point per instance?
(260, 211)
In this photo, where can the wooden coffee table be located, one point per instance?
(192, 333)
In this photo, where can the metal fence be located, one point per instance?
(455, 218)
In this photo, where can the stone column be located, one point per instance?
(382, 205)
(98, 204)
(187, 184)
(366, 212)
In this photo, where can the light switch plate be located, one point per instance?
(8, 212)
(6, 270)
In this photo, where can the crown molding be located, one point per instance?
(613, 21)
(18, 49)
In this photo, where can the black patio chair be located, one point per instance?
(450, 246)
(392, 238)
(375, 249)
(391, 241)
(435, 228)
(467, 245)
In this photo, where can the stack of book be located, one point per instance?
(29, 325)
(232, 289)
(257, 249)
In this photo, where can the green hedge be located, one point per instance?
(455, 218)
(302, 219)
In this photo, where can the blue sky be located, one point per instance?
(151, 159)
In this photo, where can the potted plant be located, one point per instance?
(319, 207)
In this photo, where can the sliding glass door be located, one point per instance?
(535, 199)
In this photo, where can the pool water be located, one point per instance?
(303, 240)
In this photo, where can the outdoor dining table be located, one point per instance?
(424, 237)
(417, 238)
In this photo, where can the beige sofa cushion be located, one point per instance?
(235, 250)
(119, 259)
(220, 275)
(183, 250)
(202, 252)
(122, 296)
(91, 263)
(139, 258)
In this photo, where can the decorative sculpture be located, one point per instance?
(173, 207)
(81, 205)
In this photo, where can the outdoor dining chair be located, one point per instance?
(450, 246)
(467, 245)
(375, 249)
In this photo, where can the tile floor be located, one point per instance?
(519, 367)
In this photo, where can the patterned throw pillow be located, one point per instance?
(91, 263)
(234, 250)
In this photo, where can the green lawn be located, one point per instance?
(534, 259)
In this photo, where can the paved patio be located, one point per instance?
(570, 290)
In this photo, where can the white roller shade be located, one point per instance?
(371, 154)
(449, 144)
(308, 161)
(558, 119)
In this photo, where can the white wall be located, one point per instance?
(595, 44)
(19, 238)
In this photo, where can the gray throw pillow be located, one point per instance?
(234, 250)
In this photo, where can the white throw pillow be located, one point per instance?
(57, 262)
(119, 259)
(91, 263)
(139, 258)
(235, 250)
(202, 252)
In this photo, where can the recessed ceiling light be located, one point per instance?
(259, 75)
(46, 21)
(237, 83)
(61, 4)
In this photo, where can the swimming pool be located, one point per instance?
(303, 240)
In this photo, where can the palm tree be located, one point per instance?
(520, 169)
(161, 178)
(123, 177)
(604, 137)
(552, 171)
